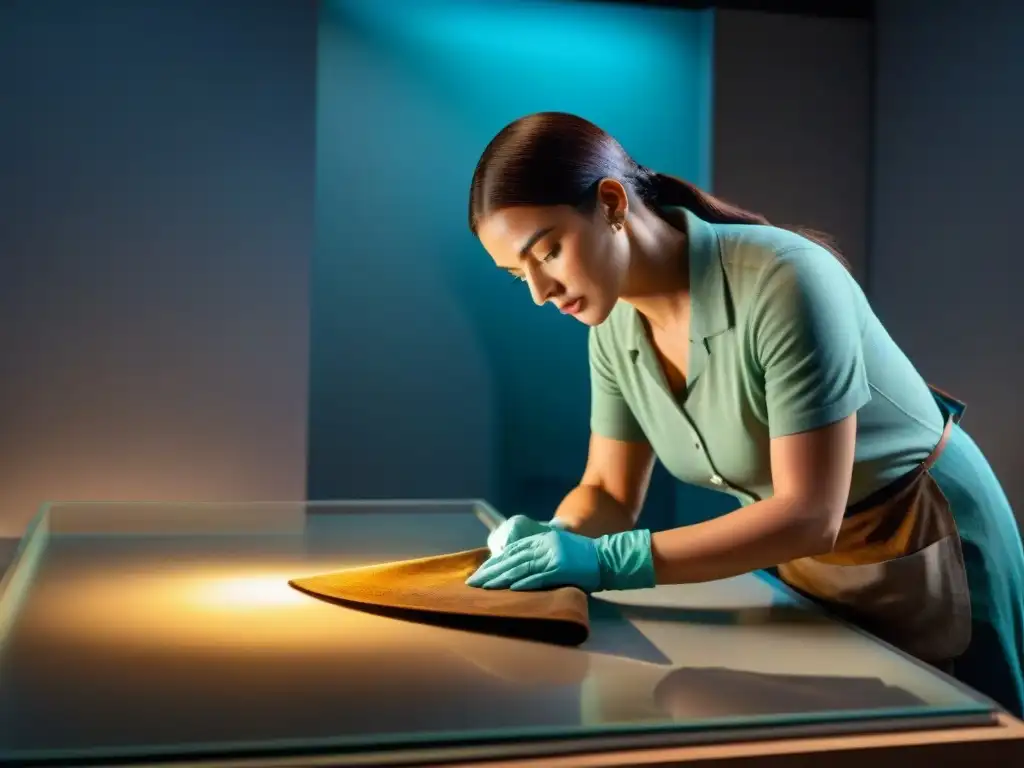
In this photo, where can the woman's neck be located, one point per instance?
(658, 282)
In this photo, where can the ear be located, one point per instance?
(612, 201)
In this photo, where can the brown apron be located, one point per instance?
(897, 568)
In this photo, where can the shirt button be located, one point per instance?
(716, 480)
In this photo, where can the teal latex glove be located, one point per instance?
(515, 528)
(558, 558)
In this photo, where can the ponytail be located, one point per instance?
(658, 189)
(556, 158)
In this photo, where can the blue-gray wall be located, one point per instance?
(433, 374)
(792, 115)
(947, 267)
(156, 225)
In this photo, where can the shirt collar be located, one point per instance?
(711, 311)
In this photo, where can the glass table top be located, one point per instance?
(148, 631)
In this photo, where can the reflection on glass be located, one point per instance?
(617, 690)
(718, 692)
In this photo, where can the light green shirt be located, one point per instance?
(782, 340)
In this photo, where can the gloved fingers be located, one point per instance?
(509, 576)
(498, 565)
(542, 580)
(527, 543)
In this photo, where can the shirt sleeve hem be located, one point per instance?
(805, 421)
(616, 430)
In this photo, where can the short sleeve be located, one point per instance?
(610, 414)
(807, 334)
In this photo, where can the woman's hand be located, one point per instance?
(558, 558)
(515, 528)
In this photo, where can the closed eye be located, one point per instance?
(554, 253)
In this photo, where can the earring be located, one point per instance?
(616, 225)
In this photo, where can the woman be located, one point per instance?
(747, 359)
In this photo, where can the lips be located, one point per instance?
(571, 307)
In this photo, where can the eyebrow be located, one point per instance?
(532, 240)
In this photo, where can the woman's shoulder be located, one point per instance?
(757, 246)
(761, 261)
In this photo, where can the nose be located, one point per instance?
(542, 287)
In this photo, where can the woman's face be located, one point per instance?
(574, 260)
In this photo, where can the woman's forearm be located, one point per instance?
(590, 511)
(761, 535)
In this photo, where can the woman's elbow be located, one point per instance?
(819, 530)
(825, 535)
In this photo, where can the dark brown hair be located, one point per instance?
(555, 158)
